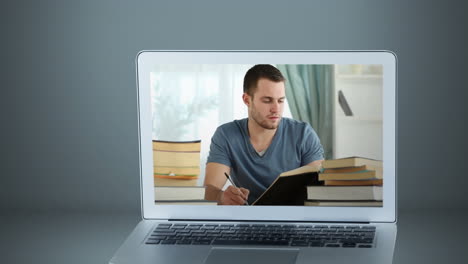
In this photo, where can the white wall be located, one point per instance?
(360, 134)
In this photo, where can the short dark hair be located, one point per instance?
(259, 71)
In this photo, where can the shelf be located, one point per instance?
(356, 118)
(359, 76)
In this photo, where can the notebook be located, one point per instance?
(197, 105)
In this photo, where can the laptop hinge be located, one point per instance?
(263, 221)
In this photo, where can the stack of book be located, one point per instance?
(181, 195)
(176, 163)
(353, 181)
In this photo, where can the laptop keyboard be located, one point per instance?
(354, 236)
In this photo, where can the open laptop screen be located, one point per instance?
(200, 114)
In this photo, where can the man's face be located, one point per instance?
(266, 105)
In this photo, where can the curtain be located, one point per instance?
(309, 91)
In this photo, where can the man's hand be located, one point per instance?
(215, 180)
(234, 196)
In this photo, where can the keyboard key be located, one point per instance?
(150, 241)
(332, 245)
(163, 231)
(201, 242)
(337, 227)
(321, 226)
(316, 244)
(299, 243)
(168, 242)
(250, 242)
(349, 245)
(351, 241)
(167, 233)
(157, 237)
(365, 246)
(184, 242)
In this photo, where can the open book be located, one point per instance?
(289, 188)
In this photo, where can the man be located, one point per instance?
(255, 150)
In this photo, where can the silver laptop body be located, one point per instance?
(135, 249)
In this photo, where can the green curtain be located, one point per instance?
(309, 91)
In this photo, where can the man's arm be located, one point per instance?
(214, 183)
(316, 163)
(215, 180)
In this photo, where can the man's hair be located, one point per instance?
(260, 71)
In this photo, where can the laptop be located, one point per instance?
(184, 96)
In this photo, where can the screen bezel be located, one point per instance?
(386, 213)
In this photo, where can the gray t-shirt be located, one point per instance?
(294, 144)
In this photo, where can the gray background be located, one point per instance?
(68, 97)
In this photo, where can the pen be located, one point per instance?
(229, 178)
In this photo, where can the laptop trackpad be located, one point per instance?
(251, 255)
